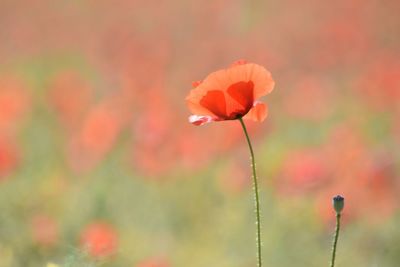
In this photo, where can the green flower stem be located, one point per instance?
(335, 240)
(256, 194)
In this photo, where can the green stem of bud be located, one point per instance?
(335, 240)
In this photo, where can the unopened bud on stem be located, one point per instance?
(338, 203)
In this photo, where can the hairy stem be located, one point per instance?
(256, 194)
(335, 240)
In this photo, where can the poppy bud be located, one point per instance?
(338, 203)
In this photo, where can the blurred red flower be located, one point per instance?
(153, 156)
(303, 171)
(71, 97)
(231, 93)
(360, 173)
(96, 137)
(309, 99)
(99, 239)
(100, 129)
(14, 102)
(44, 230)
(9, 157)
(380, 84)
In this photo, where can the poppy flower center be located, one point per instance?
(232, 103)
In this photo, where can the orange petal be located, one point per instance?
(263, 82)
(257, 113)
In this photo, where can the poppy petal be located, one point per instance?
(238, 100)
(263, 81)
(215, 102)
(199, 120)
(197, 94)
(261, 78)
(258, 112)
(195, 107)
(242, 93)
(230, 93)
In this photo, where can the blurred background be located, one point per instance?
(99, 166)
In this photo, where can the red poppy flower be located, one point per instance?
(14, 103)
(100, 239)
(231, 93)
(9, 157)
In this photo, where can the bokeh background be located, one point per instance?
(99, 166)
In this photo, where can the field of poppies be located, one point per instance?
(99, 165)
